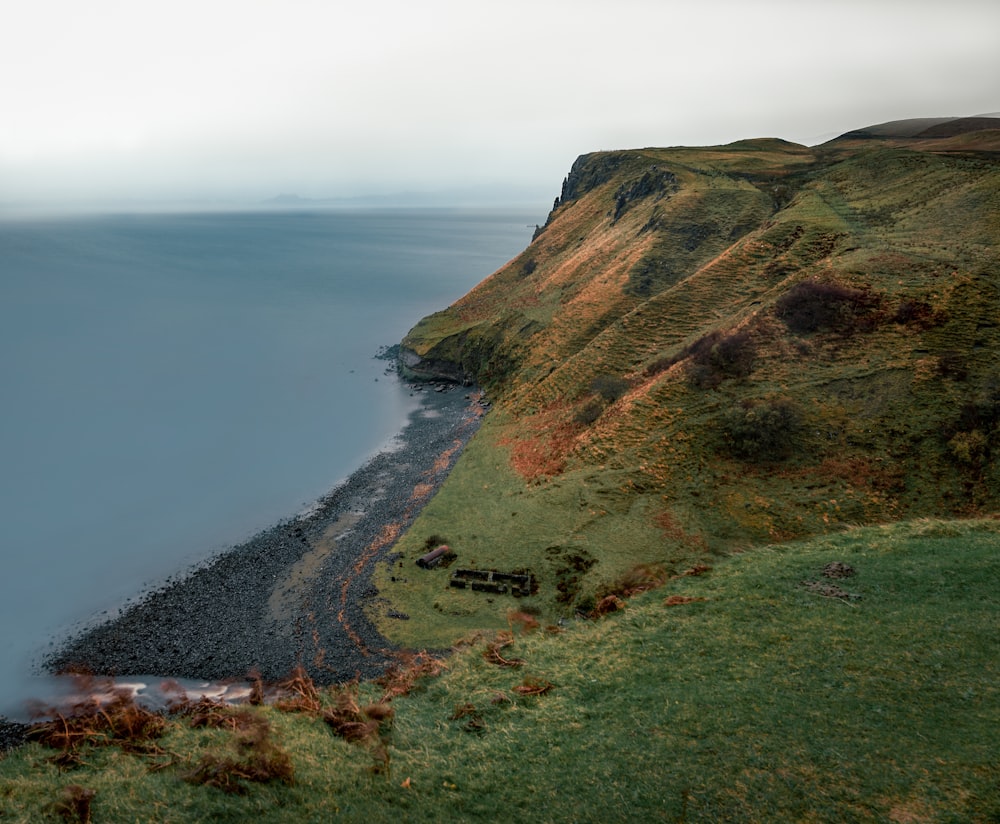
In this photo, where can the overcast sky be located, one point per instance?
(218, 99)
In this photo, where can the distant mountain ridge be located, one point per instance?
(486, 196)
(926, 127)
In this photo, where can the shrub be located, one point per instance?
(660, 365)
(722, 356)
(258, 760)
(970, 437)
(762, 430)
(969, 447)
(982, 413)
(609, 387)
(434, 541)
(713, 358)
(811, 306)
(590, 411)
(914, 311)
(73, 804)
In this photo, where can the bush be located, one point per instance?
(722, 356)
(713, 358)
(609, 387)
(762, 430)
(982, 413)
(969, 447)
(973, 432)
(604, 389)
(811, 306)
(914, 312)
(590, 411)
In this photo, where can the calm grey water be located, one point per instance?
(172, 384)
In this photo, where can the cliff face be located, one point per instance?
(705, 349)
(622, 216)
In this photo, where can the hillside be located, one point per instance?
(746, 693)
(745, 414)
(708, 349)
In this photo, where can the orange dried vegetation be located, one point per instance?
(607, 605)
(117, 721)
(545, 454)
(521, 620)
(673, 530)
(258, 760)
(402, 678)
(492, 653)
(442, 460)
(534, 686)
(421, 491)
(298, 693)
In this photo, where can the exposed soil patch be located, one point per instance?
(569, 567)
(829, 590)
(835, 570)
(838, 569)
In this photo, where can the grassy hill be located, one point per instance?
(706, 349)
(744, 436)
(760, 690)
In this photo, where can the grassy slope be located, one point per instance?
(766, 701)
(608, 292)
(763, 702)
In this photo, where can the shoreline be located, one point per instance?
(294, 594)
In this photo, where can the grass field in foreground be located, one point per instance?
(747, 693)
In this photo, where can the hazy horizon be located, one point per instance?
(221, 103)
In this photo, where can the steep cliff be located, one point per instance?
(708, 349)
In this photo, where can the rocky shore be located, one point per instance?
(295, 594)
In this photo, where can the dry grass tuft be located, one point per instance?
(116, 721)
(259, 760)
(473, 718)
(463, 711)
(402, 678)
(213, 715)
(607, 605)
(362, 725)
(492, 653)
(534, 686)
(298, 693)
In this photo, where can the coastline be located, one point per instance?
(294, 594)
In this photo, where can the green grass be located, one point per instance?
(546, 529)
(763, 702)
(649, 477)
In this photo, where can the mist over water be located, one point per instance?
(173, 384)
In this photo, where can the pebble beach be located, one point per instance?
(295, 594)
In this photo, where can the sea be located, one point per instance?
(173, 383)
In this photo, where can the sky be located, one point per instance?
(147, 101)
